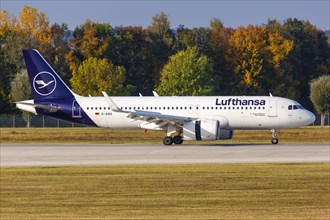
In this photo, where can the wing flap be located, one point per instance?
(147, 115)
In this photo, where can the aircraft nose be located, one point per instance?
(310, 117)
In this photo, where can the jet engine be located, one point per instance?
(206, 129)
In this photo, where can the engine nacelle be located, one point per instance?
(206, 129)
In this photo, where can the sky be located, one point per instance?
(196, 13)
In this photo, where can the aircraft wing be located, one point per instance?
(152, 118)
(158, 116)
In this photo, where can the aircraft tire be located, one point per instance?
(274, 141)
(168, 140)
(177, 140)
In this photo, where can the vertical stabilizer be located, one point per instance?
(45, 83)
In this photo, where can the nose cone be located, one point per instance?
(309, 118)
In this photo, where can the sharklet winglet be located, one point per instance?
(111, 103)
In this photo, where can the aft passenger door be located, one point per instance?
(76, 110)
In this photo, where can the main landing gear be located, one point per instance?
(168, 140)
(177, 139)
(274, 135)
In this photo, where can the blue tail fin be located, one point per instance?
(45, 83)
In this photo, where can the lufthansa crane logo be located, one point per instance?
(44, 83)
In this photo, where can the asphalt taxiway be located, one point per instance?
(120, 154)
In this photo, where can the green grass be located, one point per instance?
(108, 136)
(215, 191)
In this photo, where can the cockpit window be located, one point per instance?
(294, 107)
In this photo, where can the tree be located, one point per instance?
(309, 57)
(7, 73)
(55, 52)
(320, 95)
(246, 53)
(212, 42)
(187, 73)
(160, 29)
(31, 30)
(34, 26)
(277, 79)
(161, 38)
(256, 56)
(90, 40)
(196, 37)
(96, 75)
(21, 90)
(218, 45)
(132, 50)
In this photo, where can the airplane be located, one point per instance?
(181, 117)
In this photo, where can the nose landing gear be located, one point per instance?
(274, 135)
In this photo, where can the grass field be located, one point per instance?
(213, 191)
(218, 191)
(108, 136)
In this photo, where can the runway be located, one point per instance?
(120, 154)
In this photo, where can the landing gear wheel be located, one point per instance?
(177, 140)
(274, 140)
(168, 140)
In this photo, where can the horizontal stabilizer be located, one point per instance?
(50, 108)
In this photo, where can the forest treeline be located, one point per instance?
(280, 57)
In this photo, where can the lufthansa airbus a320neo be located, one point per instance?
(182, 118)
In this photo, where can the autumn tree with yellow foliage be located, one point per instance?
(31, 30)
(255, 54)
(90, 40)
(96, 75)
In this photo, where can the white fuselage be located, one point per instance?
(239, 112)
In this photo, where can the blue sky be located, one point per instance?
(195, 13)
